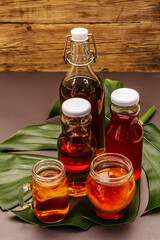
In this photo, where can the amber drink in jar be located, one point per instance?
(111, 185)
(49, 187)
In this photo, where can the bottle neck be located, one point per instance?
(80, 52)
(80, 59)
(125, 114)
(76, 127)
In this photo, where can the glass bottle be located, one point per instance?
(76, 144)
(124, 134)
(82, 82)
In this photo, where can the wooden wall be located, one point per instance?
(33, 32)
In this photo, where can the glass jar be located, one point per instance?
(110, 185)
(82, 82)
(76, 144)
(49, 187)
(124, 133)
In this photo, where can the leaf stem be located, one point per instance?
(148, 115)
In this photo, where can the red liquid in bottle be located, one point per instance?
(76, 144)
(76, 157)
(124, 135)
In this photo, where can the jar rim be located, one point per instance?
(46, 164)
(111, 158)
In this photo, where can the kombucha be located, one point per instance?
(110, 200)
(50, 202)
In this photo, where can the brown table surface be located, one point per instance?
(26, 99)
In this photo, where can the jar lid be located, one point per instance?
(125, 97)
(76, 107)
(79, 34)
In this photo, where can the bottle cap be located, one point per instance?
(125, 97)
(79, 34)
(76, 107)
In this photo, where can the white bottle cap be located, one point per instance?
(76, 107)
(125, 97)
(79, 34)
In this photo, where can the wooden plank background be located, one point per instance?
(33, 32)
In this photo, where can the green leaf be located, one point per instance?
(36, 137)
(151, 163)
(74, 217)
(109, 87)
(15, 170)
(28, 216)
(129, 216)
(55, 110)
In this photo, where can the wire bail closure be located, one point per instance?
(94, 53)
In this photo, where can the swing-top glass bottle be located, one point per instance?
(82, 82)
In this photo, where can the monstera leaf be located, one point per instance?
(109, 87)
(15, 169)
(151, 163)
(36, 137)
(55, 110)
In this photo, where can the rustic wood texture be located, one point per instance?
(127, 33)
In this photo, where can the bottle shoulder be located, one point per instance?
(81, 83)
(75, 146)
(124, 131)
(83, 71)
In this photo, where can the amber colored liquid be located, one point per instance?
(92, 90)
(126, 137)
(76, 154)
(110, 200)
(50, 202)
